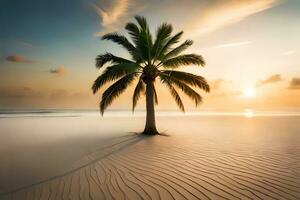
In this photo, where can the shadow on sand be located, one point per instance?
(91, 158)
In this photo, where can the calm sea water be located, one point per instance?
(10, 113)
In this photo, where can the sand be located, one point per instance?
(203, 157)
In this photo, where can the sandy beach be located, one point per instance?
(201, 157)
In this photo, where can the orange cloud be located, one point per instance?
(233, 44)
(18, 59)
(112, 16)
(272, 79)
(217, 14)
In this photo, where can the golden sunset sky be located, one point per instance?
(48, 50)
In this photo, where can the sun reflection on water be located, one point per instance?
(248, 113)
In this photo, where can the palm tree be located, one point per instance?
(149, 60)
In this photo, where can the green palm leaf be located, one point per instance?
(121, 40)
(183, 60)
(162, 35)
(144, 43)
(188, 78)
(115, 90)
(173, 40)
(174, 94)
(101, 60)
(133, 31)
(142, 22)
(184, 87)
(176, 51)
(112, 73)
(140, 87)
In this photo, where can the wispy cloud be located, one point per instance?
(295, 83)
(24, 44)
(272, 79)
(58, 71)
(220, 13)
(111, 15)
(233, 44)
(114, 15)
(18, 59)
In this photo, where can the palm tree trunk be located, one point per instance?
(150, 127)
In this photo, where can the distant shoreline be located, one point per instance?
(7, 113)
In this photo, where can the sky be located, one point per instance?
(251, 47)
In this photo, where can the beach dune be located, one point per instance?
(199, 157)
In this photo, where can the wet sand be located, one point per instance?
(202, 157)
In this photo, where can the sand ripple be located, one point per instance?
(174, 168)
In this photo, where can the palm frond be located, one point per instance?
(133, 31)
(142, 21)
(173, 40)
(112, 73)
(163, 33)
(184, 87)
(144, 43)
(140, 87)
(102, 59)
(192, 94)
(121, 40)
(115, 90)
(176, 51)
(189, 78)
(186, 59)
(174, 93)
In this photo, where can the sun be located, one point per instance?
(249, 93)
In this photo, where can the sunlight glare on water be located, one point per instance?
(248, 113)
